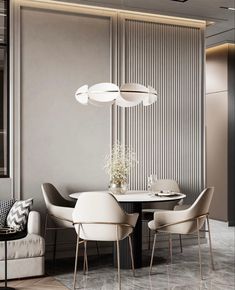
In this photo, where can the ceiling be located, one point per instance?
(220, 32)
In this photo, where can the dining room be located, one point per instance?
(116, 150)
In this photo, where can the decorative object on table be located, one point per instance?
(151, 180)
(5, 206)
(7, 231)
(128, 95)
(18, 214)
(118, 164)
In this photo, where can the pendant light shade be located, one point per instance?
(128, 95)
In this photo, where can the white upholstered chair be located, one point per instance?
(59, 210)
(99, 217)
(149, 208)
(188, 221)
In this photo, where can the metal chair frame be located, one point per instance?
(197, 218)
(60, 228)
(85, 265)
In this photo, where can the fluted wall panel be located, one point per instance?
(167, 136)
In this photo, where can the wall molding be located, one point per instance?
(16, 7)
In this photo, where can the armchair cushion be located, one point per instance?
(29, 247)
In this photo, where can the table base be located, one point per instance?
(125, 260)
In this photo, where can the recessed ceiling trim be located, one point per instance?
(147, 16)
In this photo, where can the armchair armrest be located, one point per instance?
(34, 223)
(132, 219)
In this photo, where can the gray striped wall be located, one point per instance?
(167, 136)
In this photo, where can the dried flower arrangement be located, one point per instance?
(119, 162)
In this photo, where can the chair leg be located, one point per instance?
(181, 247)
(85, 261)
(54, 248)
(170, 247)
(199, 248)
(45, 230)
(149, 238)
(76, 259)
(118, 259)
(151, 261)
(211, 252)
(132, 258)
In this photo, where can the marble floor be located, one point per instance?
(182, 274)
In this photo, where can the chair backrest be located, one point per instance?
(202, 203)
(165, 184)
(199, 208)
(52, 196)
(96, 208)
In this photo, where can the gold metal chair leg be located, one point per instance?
(118, 260)
(132, 258)
(85, 261)
(199, 248)
(181, 246)
(151, 262)
(149, 237)
(211, 252)
(76, 259)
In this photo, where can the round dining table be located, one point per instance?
(132, 202)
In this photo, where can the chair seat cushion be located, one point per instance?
(29, 247)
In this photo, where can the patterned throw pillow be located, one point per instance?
(18, 215)
(5, 206)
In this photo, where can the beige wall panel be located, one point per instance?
(168, 135)
(217, 127)
(217, 69)
(61, 141)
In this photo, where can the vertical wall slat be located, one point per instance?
(166, 136)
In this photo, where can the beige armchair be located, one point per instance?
(59, 210)
(186, 221)
(99, 217)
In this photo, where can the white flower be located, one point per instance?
(119, 162)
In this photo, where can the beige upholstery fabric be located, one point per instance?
(182, 206)
(165, 184)
(34, 223)
(59, 208)
(30, 246)
(162, 184)
(102, 207)
(199, 207)
(25, 256)
(23, 268)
